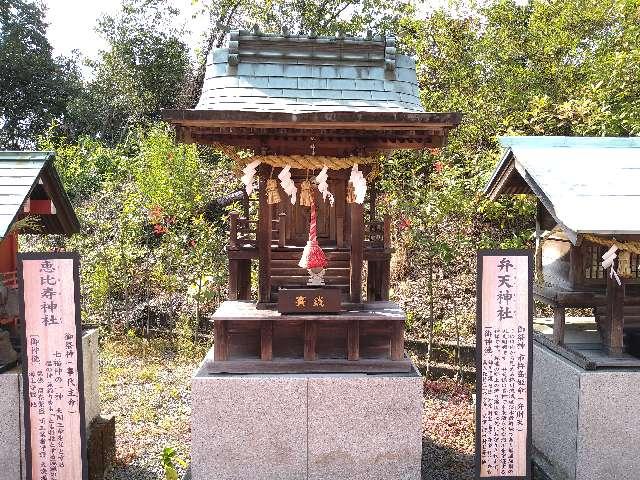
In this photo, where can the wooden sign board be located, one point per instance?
(55, 443)
(504, 336)
(309, 300)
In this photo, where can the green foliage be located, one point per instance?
(34, 87)
(169, 460)
(151, 255)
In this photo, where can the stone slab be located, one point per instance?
(248, 426)
(608, 426)
(555, 386)
(306, 426)
(365, 427)
(585, 423)
(10, 424)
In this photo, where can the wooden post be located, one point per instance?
(266, 340)
(397, 340)
(353, 340)
(233, 230)
(310, 340)
(244, 280)
(357, 252)
(264, 244)
(282, 233)
(615, 314)
(576, 272)
(340, 231)
(558, 324)
(234, 274)
(385, 279)
(220, 341)
(538, 254)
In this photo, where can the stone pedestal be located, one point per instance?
(11, 407)
(306, 426)
(585, 423)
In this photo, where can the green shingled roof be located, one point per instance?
(297, 74)
(20, 173)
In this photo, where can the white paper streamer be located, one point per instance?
(359, 183)
(249, 172)
(323, 186)
(607, 261)
(287, 184)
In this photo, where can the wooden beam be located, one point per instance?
(266, 340)
(615, 316)
(234, 274)
(310, 340)
(220, 341)
(353, 340)
(264, 244)
(558, 325)
(357, 252)
(282, 232)
(397, 341)
(576, 272)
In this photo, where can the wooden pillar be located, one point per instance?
(264, 244)
(372, 281)
(220, 340)
(397, 340)
(357, 252)
(233, 230)
(576, 272)
(234, 274)
(615, 315)
(353, 340)
(538, 253)
(385, 279)
(282, 232)
(244, 280)
(310, 340)
(266, 340)
(558, 324)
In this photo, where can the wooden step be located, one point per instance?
(293, 272)
(296, 254)
(302, 280)
(293, 263)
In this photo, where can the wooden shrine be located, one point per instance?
(309, 118)
(587, 236)
(31, 190)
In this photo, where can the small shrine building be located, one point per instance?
(310, 118)
(587, 236)
(30, 188)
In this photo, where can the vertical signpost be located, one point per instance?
(503, 364)
(54, 419)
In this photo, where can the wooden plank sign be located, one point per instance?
(503, 364)
(52, 367)
(309, 300)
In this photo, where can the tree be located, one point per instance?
(34, 87)
(145, 69)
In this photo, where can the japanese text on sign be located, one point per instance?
(52, 369)
(503, 343)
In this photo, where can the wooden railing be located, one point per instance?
(242, 231)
